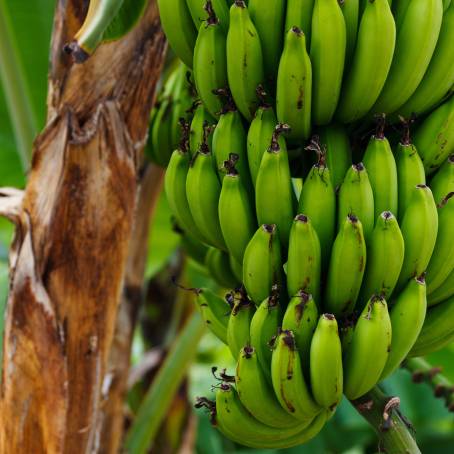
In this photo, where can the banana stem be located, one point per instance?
(423, 372)
(393, 429)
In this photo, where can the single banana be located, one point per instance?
(177, 24)
(256, 394)
(385, 256)
(356, 197)
(217, 263)
(236, 212)
(350, 10)
(442, 262)
(210, 61)
(420, 241)
(399, 9)
(304, 258)
(437, 331)
(328, 45)
(442, 182)
(197, 9)
(274, 195)
(382, 171)
(346, 268)
(371, 61)
(415, 43)
(262, 263)
(435, 136)
(368, 351)
(288, 381)
(445, 291)
(299, 14)
(407, 319)
(237, 268)
(244, 60)
(201, 125)
(439, 77)
(326, 363)
(294, 86)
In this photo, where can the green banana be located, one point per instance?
(438, 329)
(382, 171)
(244, 60)
(256, 394)
(435, 136)
(334, 139)
(419, 241)
(201, 126)
(368, 351)
(299, 14)
(236, 218)
(399, 9)
(346, 268)
(274, 195)
(259, 137)
(356, 197)
(442, 182)
(350, 10)
(439, 77)
(217, 263)
(210, 61)
(237, 268)
(294, 85)
(304, 258)
(268, 17)
(385, 256)
(442, 262)
(446, 290)
(326, 363)
(193, 248)
(262, 263)
(371, 62)
(179, 29)
(407, 319)
(415, 43)
(198, 8)
(288, 381)
(328, 45)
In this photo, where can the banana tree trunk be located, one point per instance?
(73, 230)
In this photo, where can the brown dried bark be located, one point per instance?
(73, 232)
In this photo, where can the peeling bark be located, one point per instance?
(72, 238)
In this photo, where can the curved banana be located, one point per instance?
(237, 268)
(367, 353)
(442, 182)
(350, 10)
(294, 86)
(415, 44)
(328, 44)
(304, 258)
(262, 263)
(197, 8)
(179, 29)
(299, 14)
(420, 241)
(445, 291)
(326, 363)
(399, 9)
(192, 247)
(356, 197)
(407, 319)
(244, 60)
(217, 263)
(346, 268)
(371, 62)
(201, 126)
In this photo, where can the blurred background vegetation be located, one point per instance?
(31, 26)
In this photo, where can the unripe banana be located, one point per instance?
(415, 44)
(294, 86)
(399, 9)
(288, 381)
(217, 263)
(197, 9)
(438, 329)
(371, 62)
(210, 61)
(259, 138)
(382, 171)
(274, 195)
(328, 44)
(442, 182)
(442, 262)
(262, 263)
(367, 353)
(326, 363)
(244, 60)
(435, 136)
(385, 256)
(346, 268)
(407, 319)
(356, 197)
(199, 124)
(304, 258)
(193, 248)
(439, 77)
(179, 28)
(268, 17)
(445, 291)
(237, 268)
(256, 394)
(419, 241)
(299, 14)
(350, 10)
